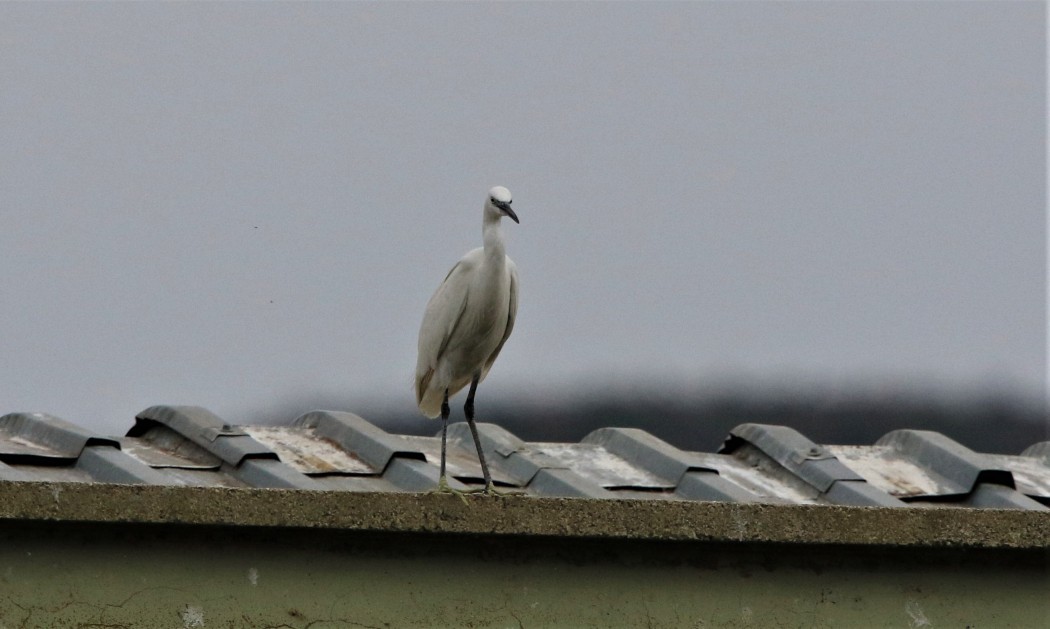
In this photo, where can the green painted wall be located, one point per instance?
(112, 575)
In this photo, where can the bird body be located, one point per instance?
(466, 322)
(472, 314)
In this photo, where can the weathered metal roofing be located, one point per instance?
(329, 450)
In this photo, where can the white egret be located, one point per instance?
(466, 323)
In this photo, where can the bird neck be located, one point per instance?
(492, 236)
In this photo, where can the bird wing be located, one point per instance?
(512, 313)
(443, 314)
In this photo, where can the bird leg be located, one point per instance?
(443, 487)
(442, 481)
(468, 410)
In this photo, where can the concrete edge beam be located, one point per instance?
(525, 515)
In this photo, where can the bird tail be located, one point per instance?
(429, 400)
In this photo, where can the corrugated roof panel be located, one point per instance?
(596, 464)
(355, 483)
(12, 446)
(14, 474)
(960, 468)
(186, 455)
(110, 465)
(1031, 474)
(368, 442)
(994, 496)
(861, 494)
(641, 494)
(644, 451)
(925, 465)
(1039, 450)
(712, 486)
(883, 468)
(523, 465)
(56, 473)
(461, 458)
(271, 473)
(205, 429)
(508, 457)
(409, 474)
(46, 436)
(779, 450)
(551, 481)
(196, 477)
(799, 457)
(185, 445)
(762, 477)
(302, 450)
(160, 446)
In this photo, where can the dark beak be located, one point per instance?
(505, 207)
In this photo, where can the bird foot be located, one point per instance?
(443, 488)
(490, 490)
(487, 490)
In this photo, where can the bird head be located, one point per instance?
(499, 202)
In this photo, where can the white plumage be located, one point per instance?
(467, 321)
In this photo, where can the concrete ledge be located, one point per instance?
(526, 516)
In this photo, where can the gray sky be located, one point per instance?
(234, 204)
